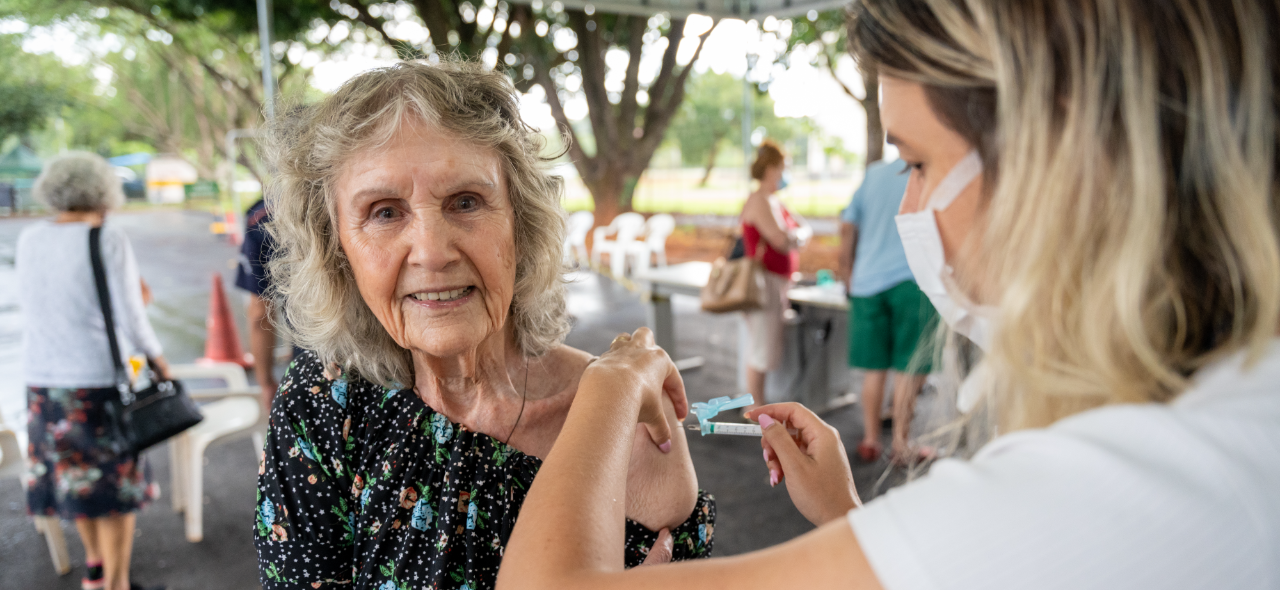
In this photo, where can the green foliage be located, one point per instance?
(24, 107)
(168, 76)
(710, 119)
(33, 89)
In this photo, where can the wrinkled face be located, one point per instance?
(931, 149)
(428, 228)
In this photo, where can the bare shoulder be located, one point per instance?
(560, 370)
(662, 488)
(755, 206)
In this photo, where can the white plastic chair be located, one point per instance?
(575, 240)
(656, 231)
(625, 228)
(236, 411)
(13, 464)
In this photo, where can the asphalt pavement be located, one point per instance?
(177, 256)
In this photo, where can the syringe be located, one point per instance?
(732, 428)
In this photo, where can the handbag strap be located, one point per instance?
(108, 318)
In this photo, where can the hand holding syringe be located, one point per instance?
(708, 410)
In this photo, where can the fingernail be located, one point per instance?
(766, 456)
(765, 421)
(774, 476)
(665, 447)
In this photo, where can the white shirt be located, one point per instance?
(64, 342)
(1184, 495)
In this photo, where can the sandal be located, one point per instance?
(920, 455)
(93, 578)
(869, 452)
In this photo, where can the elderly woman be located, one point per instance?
(68, 368)
(419, 259)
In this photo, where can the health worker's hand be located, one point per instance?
(814, 463)
(634, 363)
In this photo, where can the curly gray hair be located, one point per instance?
(79, 181)
(312, 280)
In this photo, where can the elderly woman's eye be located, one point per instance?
(385, 213)
(466, 203)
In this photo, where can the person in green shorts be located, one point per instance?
(891, 323)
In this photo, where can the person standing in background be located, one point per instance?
(72, 470)
(888, 315)
(768, 223)
(251, 276)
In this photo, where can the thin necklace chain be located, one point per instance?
(524, 396)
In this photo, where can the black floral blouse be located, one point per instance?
(367, 486)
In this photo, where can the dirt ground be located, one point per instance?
(706, 243)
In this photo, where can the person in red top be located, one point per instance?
(767, 223)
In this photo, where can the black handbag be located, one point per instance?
(138, 420)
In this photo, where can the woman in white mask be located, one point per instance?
(1094, 199)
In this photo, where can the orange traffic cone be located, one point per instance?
(233, 228)
(222, 345)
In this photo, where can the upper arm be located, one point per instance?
(305, 515)
(758, 212)
(127, 281)
(662, 488)
(828, 557)
(853, 213)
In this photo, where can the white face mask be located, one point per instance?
(927, 259)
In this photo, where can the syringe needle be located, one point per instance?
(732, 428)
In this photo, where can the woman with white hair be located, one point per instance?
(418, 256)
(68, 368)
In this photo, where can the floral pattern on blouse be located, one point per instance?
(369, 487)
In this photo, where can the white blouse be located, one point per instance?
(64, 341)
(1184, 495)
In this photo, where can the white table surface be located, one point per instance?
(686, 275)
(692, 276)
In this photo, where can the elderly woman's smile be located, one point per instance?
(427, 226)
(419, 238)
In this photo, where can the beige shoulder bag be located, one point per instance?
(735, 285)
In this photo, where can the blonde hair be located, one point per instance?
(312, 279)
(1131, 228)
(79, 181)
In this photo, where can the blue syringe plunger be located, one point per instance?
(705, 411)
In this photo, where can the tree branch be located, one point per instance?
(179, 39)
(378, 24)
(591, 64)
(659, 114)
(504, 43)
(586, 166)
(658, 91)
(438, 23)
(631, 85)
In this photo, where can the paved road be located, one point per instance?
(177, 255)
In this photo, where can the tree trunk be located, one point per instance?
(607, 192)
(711, 163)
(871, 104)
(625, 137)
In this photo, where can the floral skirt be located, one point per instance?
(71, 471)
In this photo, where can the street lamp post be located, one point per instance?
(747, 111)
(237, 227)
(264, 37)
